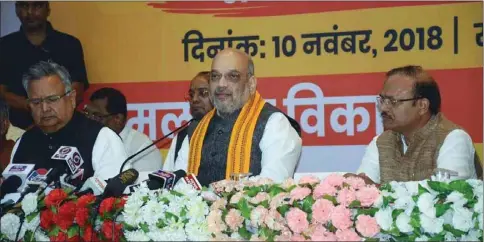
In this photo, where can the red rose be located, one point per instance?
(82, 215)
(107, 230)
(74, 238)
(65, 216)
(46, 219)
(55, 197)
(85, 200)
(107, 205)
(89, 234)
(121, 202)
(61, 236)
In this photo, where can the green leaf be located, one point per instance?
(29, 236)
(127, 227)
(253, 191)
(331, 227)
(173, 192)
(183, 212)
(144, 227)
(387, 200)
(160, 224)
(32, 216)
(54, 232)
(396, 212)
(169, 216)
(289, 189)
(274, 190)
(455, 232)
(421, 189)
(441, 187)
(54, 210)
(386, 187)
(330, 198)
(367, 211)
(355, 204)
(438, 237)
(244, 208)
(283, 209)
(244, 233)
(463, 187)
(224, 214)
(394, 231)
(441, 209)
(72, 231)
(265, 204)
(372, 239)
(415, 198)
(415, 218)
(165, 200)
(307, 204)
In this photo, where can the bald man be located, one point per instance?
(418, 138)
(243, 134)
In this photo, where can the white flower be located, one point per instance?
(400, 190)
(403, 223)
(447, 216)
(422, 238)
(152, 212)
(197, 231)
(426, 203)
(449, 237)
(9, 225)
(137, 235)
(456, 198)
(406, 203)
(473, 235)
(477, 186)
(40, 236)
(384, 218)
(32, 225)
(462, 219)
(479, 206)
(379, 201)
(425, 185)
(431, 225)
(197, 209)
(185, 189)
(481, 223)
(29, 204)
(412, 187)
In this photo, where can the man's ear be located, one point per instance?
(423, 105)
(252, 84)
(72, 98)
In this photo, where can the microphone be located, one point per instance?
(20, 170)
(10, 185)
(92, 185)
(71, 156)
(116, 185)
(192, 180)
(164, 180)
(154, 142)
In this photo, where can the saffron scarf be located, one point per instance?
(240, 145)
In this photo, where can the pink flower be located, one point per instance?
(258, 215)
(341, 217)
(321, 234)
(309, 180)
(260, 197)
(299, 193)
(322, 209)
(215, 223)
(347, 235)
(236, 197)
(298, 237)
(234, 219)
(219, 204)
(297, 220)
(285, 235)
(322, 189)
(274, 220)
(334, 180)
(279, 200)
(346, 196)
(367, 226)
(264, 181)
(367, 195)
(355, 182)
(289, 182)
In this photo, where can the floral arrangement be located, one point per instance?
(432, 210)
(336, 208)
(166, 215)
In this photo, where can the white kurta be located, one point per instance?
(134, 141)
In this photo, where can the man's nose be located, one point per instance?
(222, 82)
(44, 106)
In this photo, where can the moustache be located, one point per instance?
(222, 91)
(385, 115)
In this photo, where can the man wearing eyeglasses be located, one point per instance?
(244, 134)
(52, 102)
(36, 41)
(200, 105)
(109, 107)
(417, 137)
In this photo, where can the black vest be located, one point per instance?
(37, 148)
(216, 143)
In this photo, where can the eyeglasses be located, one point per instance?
(49, 99)
(393, 102)
(202, 92)
(233, 76)
(94, 116)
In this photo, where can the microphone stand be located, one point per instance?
(155, 142)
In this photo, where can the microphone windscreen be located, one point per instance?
(155, 184)
(179, 174)
(116, 185)
(10, 185)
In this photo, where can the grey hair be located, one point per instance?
(45, 69)
(251, 67)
